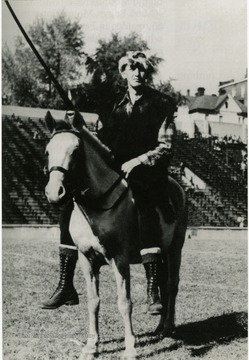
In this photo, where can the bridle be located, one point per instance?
(94, 203)
(60, 168)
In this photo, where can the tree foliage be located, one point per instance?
(60, 42)
(168, 89)
(19, 78)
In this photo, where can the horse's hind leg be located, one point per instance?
(169, 289)
(122, 274)
(90, 351)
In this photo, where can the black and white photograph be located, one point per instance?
(124, 180)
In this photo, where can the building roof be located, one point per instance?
(205, 103)
(211, 104)
(232, 82)
(242, 107)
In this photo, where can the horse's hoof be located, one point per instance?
(159, 330)
(165, 329)
(168, 331)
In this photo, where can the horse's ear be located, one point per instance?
(74, 119)
(78, 121)
(50, 122)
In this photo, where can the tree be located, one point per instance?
(167, 89)
(60, 42)
(18, 79)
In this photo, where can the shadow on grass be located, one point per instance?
(223, 328)
(199, 337)
(151, 334)
(217, 330)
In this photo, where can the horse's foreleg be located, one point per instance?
(90, 351)
(122, 274)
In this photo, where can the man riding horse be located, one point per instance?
(139, 133)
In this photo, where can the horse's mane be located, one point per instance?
(87, 136)
(104, 152)
(61, 125)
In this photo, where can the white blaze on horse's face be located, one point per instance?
(60, 152)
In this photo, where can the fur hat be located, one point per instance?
(135, 57)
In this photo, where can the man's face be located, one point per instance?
(135, 75)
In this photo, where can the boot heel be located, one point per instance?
(72, 302)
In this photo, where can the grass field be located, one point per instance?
(211, 312)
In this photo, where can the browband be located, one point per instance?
(74, 132)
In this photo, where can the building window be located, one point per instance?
(226, 104)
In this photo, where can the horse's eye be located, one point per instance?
(45, 170)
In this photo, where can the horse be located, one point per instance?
(104, 225)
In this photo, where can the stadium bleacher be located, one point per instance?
(24, 202)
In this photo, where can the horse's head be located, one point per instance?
(63, 153)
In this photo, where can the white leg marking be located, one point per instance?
(122, 274)
(92, 283)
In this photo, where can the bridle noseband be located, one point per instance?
(60, 168)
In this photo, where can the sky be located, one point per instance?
(201, 42)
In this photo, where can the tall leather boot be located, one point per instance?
(154, 305)
(65, 293)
